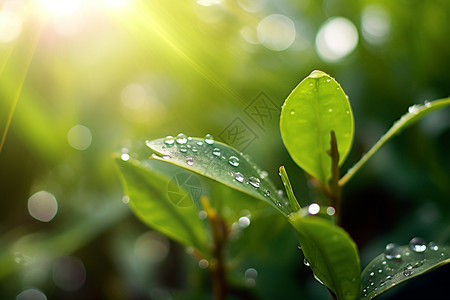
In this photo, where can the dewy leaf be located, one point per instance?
(315, 107)
(149, 199)
(221, 163)
(415, 113)
(331, 253)
(399, 264)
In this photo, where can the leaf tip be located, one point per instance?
(317, 74)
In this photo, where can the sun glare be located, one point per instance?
(63, 7)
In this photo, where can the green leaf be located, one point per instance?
(331, 253)
(289, 192)
(149, 199)
(221, 163)
(315, 107)
(382, 274)
(415, 113)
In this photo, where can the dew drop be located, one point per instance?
(254, 181)
(125, 156)
(433, 246)
(306, 262)
(313, 209)
(427, 103)
(239, 177)
(292, 112)
(194, 149)
(418, 264)
(389, 277)
(318, 279)
(199, 143)
(330, 110)
(392, 252)
(209, 139)
(263, 174)
(267, 193)
(417, 245)
(166, 156)
(280, 193)
(279, 205)
(244, 222)
(234, 161)
(299, 247)
(380, 271)
(181, 139)
(407, 272)
(372, 273)
(414, 109)
(169, 140)
(190, 161)
(216, 152)
(183, 148)
(382, 282)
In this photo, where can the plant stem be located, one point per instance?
(335, 192)
(217, 267)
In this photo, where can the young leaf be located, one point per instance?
(289, 192)
(315, 107)
(415, 113)
(399, 264)
(221, 163)
(149, 199)
(331, 253)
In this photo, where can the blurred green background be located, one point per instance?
(83, 79)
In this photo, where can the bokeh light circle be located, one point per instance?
(31, 294)
(336, 38)
(42, 206)
(79, 137)
(276, 32)
(69, 273)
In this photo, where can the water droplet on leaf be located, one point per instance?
(417, 245)
(313, 209)
(190, 161)
(166, 156)
(169, 140)
(433, 246)
(216, 152)
(263, 174)
(239, 177)
(234, 161)
(414, 109)
(267, 193)
(318, 279)
(181, 139)
(254, 181)
(306, 262)
(183, 148)
(392, 251)
(209, 139)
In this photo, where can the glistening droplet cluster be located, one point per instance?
(400, 263)
(210, 157)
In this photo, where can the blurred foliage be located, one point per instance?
(127, 70)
